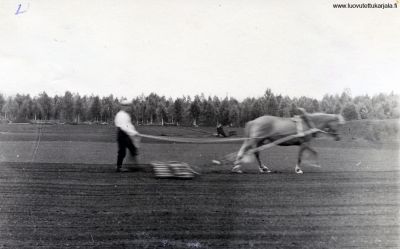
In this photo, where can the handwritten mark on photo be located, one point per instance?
(20, 11)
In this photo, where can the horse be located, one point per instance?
(268, 129)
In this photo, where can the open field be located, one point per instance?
(58, 189)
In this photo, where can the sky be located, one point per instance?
(185, 47)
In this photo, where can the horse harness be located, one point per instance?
(298, 119)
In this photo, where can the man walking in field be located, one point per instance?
(220, 130)
(126, 134)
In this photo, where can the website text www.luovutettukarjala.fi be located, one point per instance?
(365, 5)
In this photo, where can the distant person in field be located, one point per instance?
(220, 130)
(126, 134)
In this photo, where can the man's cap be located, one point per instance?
(125, 102)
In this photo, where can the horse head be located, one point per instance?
(329, 123)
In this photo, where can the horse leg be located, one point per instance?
(297, 169)
(314, 152)
(263, 168)
(303, 147)
(243, 149)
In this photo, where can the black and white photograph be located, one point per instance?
(200, 124)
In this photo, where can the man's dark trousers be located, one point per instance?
(124, 142)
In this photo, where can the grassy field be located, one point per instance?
(58, 189)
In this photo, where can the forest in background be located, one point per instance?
(186, 110)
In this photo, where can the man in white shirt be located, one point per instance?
(126, 131)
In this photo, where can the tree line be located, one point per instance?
(198, 110)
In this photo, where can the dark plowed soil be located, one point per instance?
(91, 206)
